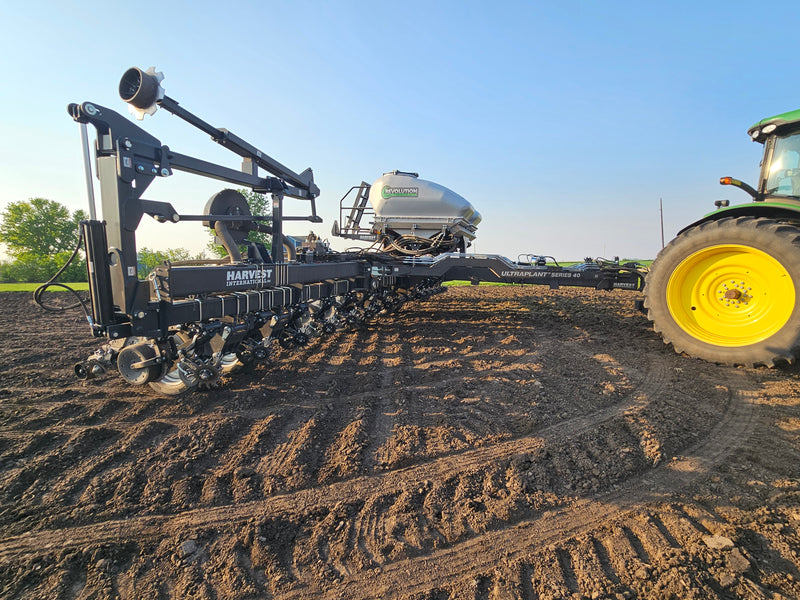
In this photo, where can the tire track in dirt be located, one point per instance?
(615, 557)
(725, 436)
(380, 420)
(555, 570)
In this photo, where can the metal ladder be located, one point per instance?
(351, 224)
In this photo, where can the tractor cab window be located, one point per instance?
(783, 176)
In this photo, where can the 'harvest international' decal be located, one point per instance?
(249, 277)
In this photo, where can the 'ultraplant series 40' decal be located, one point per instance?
(556, 274)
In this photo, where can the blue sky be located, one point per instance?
(562, 122)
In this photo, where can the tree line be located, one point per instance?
(41, 235)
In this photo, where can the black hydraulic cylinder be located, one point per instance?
(97, 265)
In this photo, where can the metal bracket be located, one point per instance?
(163, 162)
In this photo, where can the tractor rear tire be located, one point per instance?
(727, 291)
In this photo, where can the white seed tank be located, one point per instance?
(410, 206)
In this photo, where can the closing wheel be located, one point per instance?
(726, 291)
(229, 363)
(171, 384)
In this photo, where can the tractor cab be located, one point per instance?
(780, 169)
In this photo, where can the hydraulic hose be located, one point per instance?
(39, 291)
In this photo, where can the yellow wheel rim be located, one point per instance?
(730, 295)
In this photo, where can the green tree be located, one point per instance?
(39, 227)
(31, 268)
(40, 235)
(259, 205)
(148, 259)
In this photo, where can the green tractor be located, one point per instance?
(726, 288)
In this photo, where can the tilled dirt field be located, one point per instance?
(491, 443)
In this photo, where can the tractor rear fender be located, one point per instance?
(779, 211)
